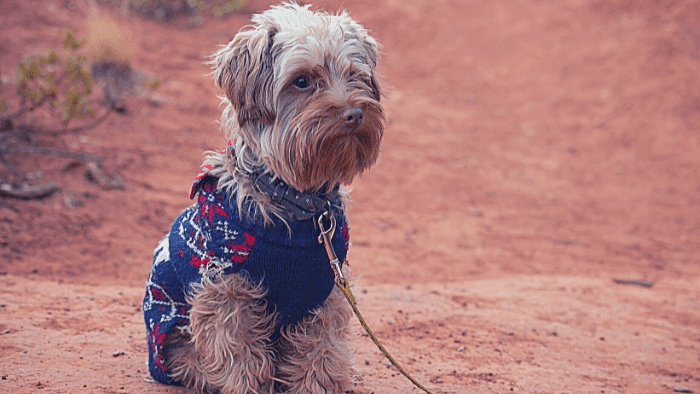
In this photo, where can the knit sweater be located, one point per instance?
(210, 239)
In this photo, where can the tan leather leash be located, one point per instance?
(325, 239)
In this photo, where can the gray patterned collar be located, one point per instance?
(298, 205)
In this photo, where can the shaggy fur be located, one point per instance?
(316, 354)
(300, 135)
(302, 103)
(226, 346)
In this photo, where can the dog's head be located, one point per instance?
(302, 96)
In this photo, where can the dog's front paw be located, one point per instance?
(230, 332)
(316, 354)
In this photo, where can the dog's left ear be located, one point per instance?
(243, 70)
(372, 54)
(368, 50)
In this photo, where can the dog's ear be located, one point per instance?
(371, 54)
(374, 84)
(243, 70)
(367, 51)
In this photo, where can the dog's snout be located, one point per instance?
(352, 117)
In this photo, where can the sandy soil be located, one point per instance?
(536, 152)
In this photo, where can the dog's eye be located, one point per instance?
(302, 82)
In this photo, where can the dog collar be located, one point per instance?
(298, 205)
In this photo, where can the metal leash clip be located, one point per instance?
(325, 239)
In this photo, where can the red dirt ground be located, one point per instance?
(536, 151)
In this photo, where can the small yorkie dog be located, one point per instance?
(241, 296)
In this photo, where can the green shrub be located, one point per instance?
(171, 9)
(62, 82)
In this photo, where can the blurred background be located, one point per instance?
(551, 144)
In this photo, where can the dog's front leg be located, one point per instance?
(316, 354)
(228, 350)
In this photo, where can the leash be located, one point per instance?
(325, 239)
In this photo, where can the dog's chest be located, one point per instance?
(210, 239)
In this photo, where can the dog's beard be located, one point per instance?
(313, 149)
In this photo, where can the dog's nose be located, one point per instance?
(352, 117)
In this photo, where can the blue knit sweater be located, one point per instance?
(210, 239)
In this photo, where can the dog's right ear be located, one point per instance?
(243, 70)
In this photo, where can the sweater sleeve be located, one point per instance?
(164, 308)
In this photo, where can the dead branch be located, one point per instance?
(103, 180)
(76, 129)
(53, 152)
(14, 170)
(28, 192)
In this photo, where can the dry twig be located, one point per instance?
(643, 283)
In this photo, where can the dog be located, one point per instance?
(241, 297)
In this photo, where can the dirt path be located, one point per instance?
(536, 151)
